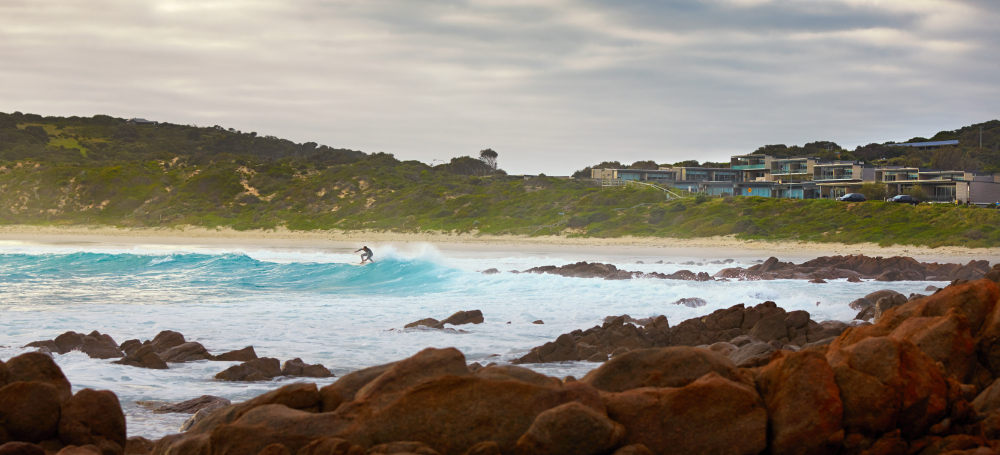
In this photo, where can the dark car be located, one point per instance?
(906, 198)
(852, 197)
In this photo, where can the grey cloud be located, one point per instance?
(552, 86)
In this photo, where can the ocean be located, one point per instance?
(320, 306)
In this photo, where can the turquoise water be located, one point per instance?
(324, 308)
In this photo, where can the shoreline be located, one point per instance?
(705, 247)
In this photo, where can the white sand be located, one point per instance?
(708, 248)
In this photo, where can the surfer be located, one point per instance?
(366, 254)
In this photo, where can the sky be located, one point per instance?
(552, 86)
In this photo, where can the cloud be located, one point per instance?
(551, 85)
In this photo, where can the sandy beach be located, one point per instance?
(595, 248)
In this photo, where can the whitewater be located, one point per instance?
(320, 306)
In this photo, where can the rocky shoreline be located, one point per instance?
(851, 267)
(921, 379)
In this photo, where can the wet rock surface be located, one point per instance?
(756, 332)
(851, 268)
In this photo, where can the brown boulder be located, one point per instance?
(752, 354)
(453, 413)
(236, 439)
(946, 339)
(138, 445)
(194, 405)
(331, 446)
(484, 448)
(21, 448)
(504, 372)
(302, 396)
(239, 355)
(93, 417)
(38, 367)
(887, 383)
(571, 428)
(710, 415)
(425, 322)
(29, 411)
(166, 340)
(805, 414)
(633, 449)
(260, 369)
(4, 374)
(674, 366)
(144, 357)
(465, 317)
(185, 352)
(426, 364)
(402, 447)
(88, 449)
(344, 390)
(100, 346)
(296, 367)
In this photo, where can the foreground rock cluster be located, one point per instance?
(852, 267)
(921, 380)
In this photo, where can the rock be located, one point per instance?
(710, 415)
(29, 411)
(538, 322)
(100, 346)
(428, 363)
(296, 367)
(805, 414)
(347, 387)
(21, 448)
(659, 367)
(166, 340)
(300, 396)
(330, 446)
(465, 317)
(753, 354)
(512, 372)
(691, 302)
(887, 383)
(402, 447)
(571, 428)
(239, 355)
(144, 357)
(633, 449)
(194, 405)
(38, 367)
(426, 322)
(490, 271)
(585, 269)
(93, 417)
(270, 424)
(138, 445)
(484, 448)
(489, 410)
(88, 449)
(130, 346)
(260, 369)
(186, 352)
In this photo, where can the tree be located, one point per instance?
(489, 157)
(646, 165)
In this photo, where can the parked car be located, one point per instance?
(904, 198)
(852, 197)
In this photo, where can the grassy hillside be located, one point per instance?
(65, 171)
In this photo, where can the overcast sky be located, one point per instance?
(551, 85)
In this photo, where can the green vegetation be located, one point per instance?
(107, 171)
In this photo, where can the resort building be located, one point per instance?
(811, 178)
